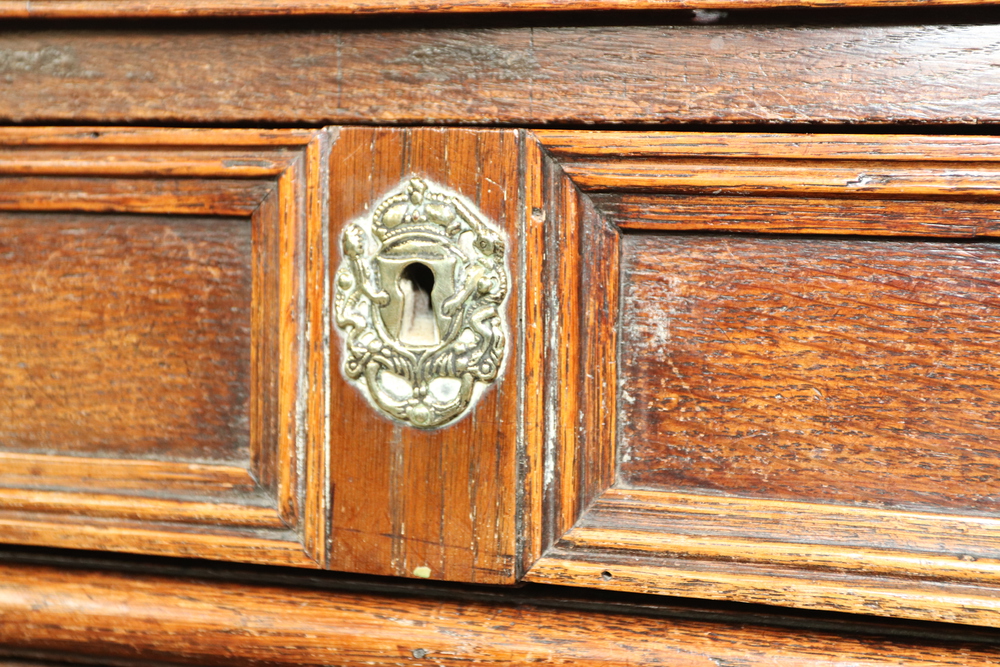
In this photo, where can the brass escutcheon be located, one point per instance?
(417, 302)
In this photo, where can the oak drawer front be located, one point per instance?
(773, 360)
(749, 367)
(853, 370)
(153, 337)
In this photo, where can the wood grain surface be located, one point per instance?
(229, 8)
(847, 325)
(444, 499)
(147, 618)
(851, 371)
(577, 315)
(132, 335)
(965, 548)
(569, 146)
(157, 341)
(26, 470)
(790, 215)
(934, 73)
(720, 578)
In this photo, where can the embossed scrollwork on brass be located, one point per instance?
(417, 302)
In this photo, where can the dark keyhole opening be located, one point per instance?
(419, 326)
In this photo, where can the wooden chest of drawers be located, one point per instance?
(433, 331)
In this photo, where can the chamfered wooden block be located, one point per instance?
(773, 361)
(158, 329)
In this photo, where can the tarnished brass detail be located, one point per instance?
(417, 302)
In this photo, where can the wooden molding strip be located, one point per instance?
(196, 8)
(273, 547)
(575, 74)
(248, 507)
(141, 617)
(571, 145)
(973, 605)
(30, 470)
(154, 136)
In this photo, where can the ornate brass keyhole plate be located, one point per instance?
(417, 302)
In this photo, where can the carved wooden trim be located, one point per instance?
(257, 510)
(601, 533)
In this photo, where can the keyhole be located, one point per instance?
(419, 326)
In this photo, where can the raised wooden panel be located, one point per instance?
(839, 370)
(772, 361)
(132, 337)
(439, 503)
(155, 336)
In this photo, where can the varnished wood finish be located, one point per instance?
(873, 348)
(838, 370)
(444, 499)
(184, 283)
(29, 470)
(147, 618)
(532, 74)
(580, 349)
(538, 422)
(794, 525)
(156, 338)
(816, 215)
(228, 8)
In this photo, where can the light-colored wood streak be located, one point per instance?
(134, 195)
(789, 177)
(316, 361)
(291, 331)
(155, 539)
(175, 162)
(155, 137)
(937, 535)
(533, 342)
(570, 492)
(774, 534)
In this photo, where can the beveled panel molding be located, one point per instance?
(771, 369)
(160, 342)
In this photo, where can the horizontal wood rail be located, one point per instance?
(170, 8)
(145, 617)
